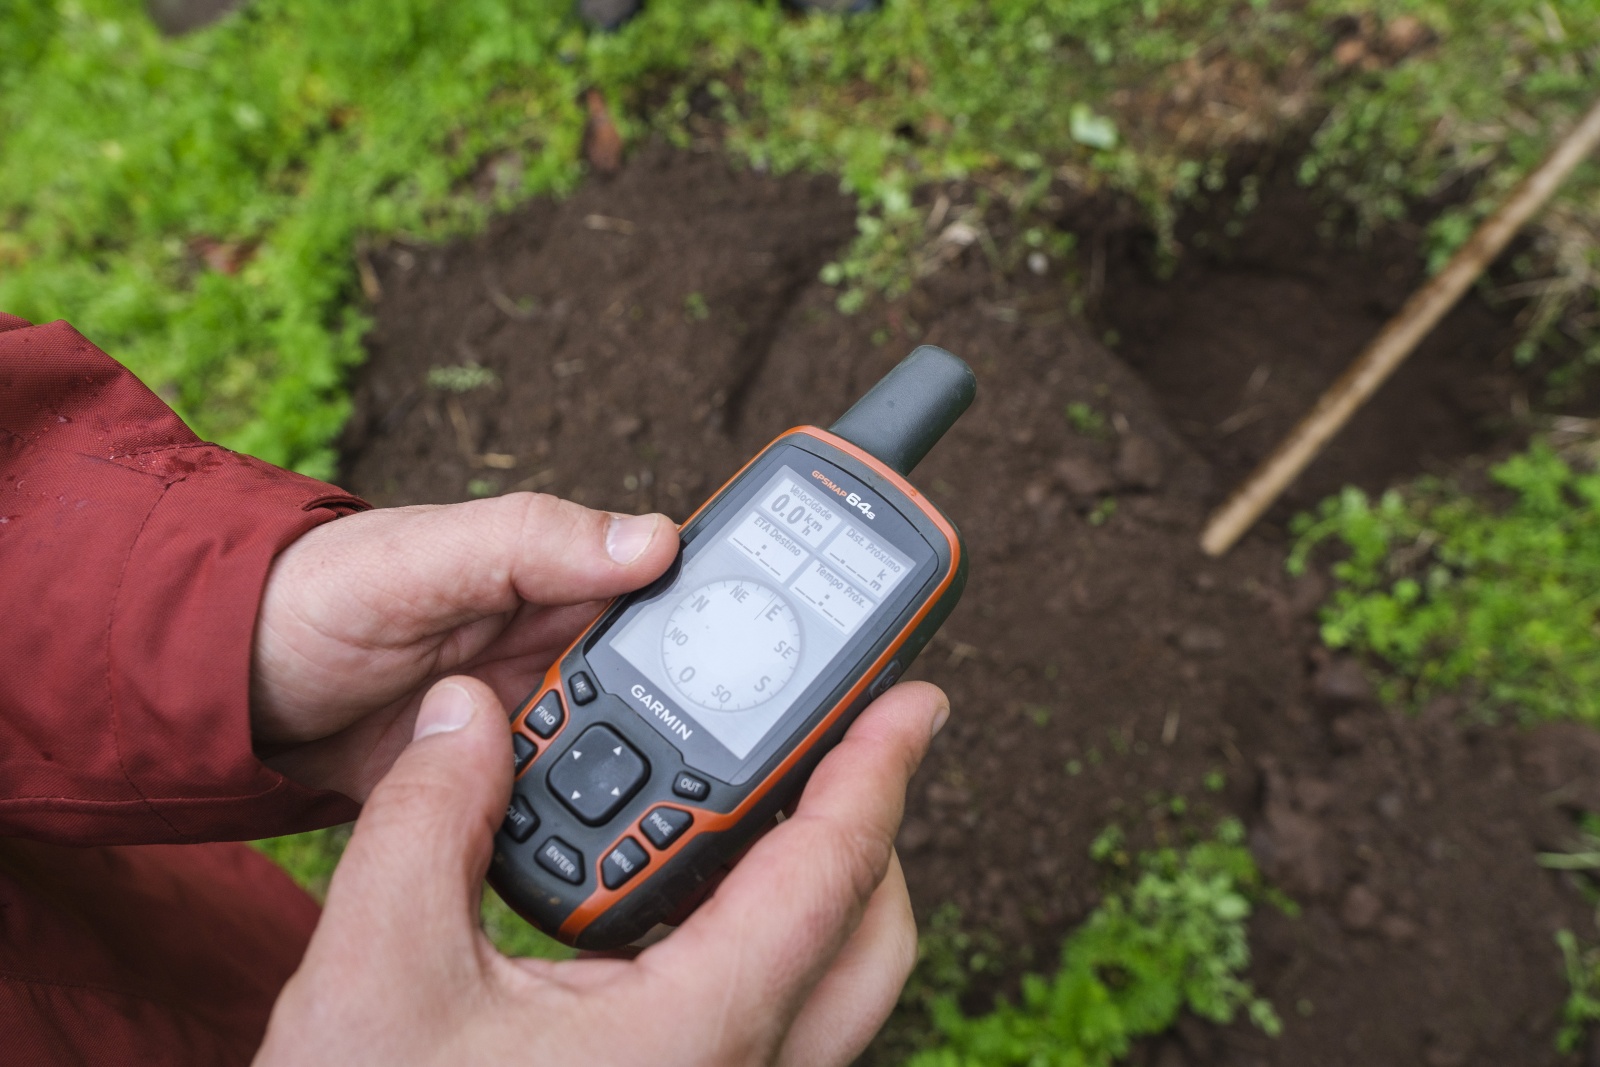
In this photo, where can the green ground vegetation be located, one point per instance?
(1582, 856)
(952, 957)
(1581, 860)
(1582, 1009)
(311, 857)
(1169, 936)
(198, 206)
(1454, 592)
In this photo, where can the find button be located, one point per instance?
(544, 718)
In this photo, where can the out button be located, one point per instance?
(598, 774)
(689, 787)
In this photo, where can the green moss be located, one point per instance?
(193, 204)
(1172, 940)
(1454, 594)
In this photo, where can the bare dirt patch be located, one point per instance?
(655, 329)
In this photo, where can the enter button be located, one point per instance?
(561, 860)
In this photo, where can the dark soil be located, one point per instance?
(654, 330)
(1250, 329)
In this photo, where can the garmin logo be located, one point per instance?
(659, 710)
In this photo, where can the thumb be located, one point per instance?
(411, 878)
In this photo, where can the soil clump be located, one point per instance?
(651, 332)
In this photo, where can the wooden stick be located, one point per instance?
(1395, 341)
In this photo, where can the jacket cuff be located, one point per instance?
(181, 633)
(133, 558)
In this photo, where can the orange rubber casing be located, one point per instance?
(601, 918)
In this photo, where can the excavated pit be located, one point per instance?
(651, 332)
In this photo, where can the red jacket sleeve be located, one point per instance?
(132, 561)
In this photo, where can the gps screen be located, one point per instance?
(761, 606)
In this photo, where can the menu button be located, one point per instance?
(624, 861)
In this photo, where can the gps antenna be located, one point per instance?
(906, 413)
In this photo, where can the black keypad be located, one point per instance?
(521, 821)
(663, 825)
(624, 861)
(544, 718)
(689, 787)
(598, 774)
(522, 751)
(561, 860)
(582, 688)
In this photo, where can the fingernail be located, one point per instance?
(940, 717)
(628, 535)
(447, 707)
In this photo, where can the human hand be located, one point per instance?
(359, 616)
(797, 958)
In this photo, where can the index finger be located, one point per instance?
(755, 950)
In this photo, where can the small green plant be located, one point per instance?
(695, 309)
(1172, 940)
(1110, 846)
(1580, 859)
(1084, 419)
(951, 956)
(463, 378)
(1585, 852)
(1582, 1008)
(1454, 594)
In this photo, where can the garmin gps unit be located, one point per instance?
(666, 738)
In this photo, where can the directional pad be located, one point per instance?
(598, 775)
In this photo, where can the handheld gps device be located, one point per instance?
(668, 736)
